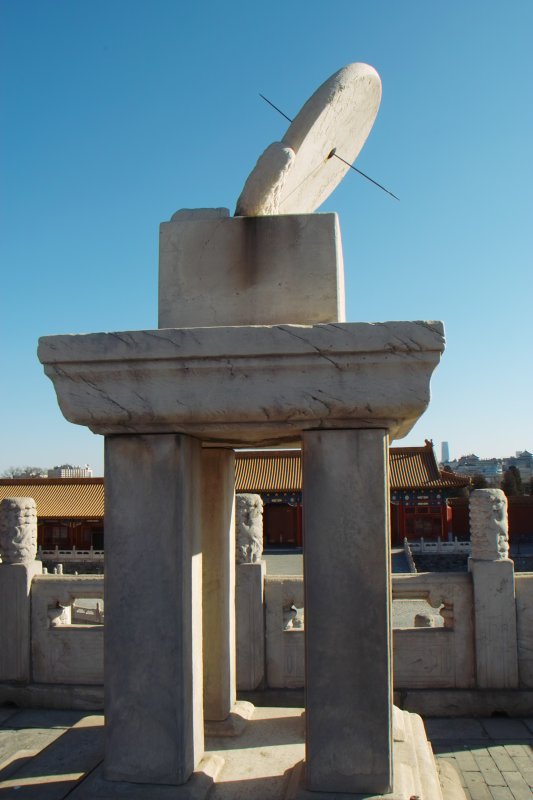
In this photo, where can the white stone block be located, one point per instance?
(153, 626)
(257, 384)
(495, 624)
(15, 625)
(284, 648)
(250, 270)
(62, 653)
(218, 557)
(250, 625)
(347, 586)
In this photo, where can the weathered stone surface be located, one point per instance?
(62, 653)
(494, 591)
(249, 528)
(285, 664)
(524, 624)
(495, 615)
(415, 773)
(13, 741)
(263, 190)
(46, 695)
(198, 787)
(347, 581)
(200, 213)
(234, 724)
(250, 271)
(18, 530)
(153, 626)
(488, 525)
(15, 625)
(441, 657)
(255, 384)
(338, 116)
(218, 558)
(53, 773)
(465, 702)
(250, 625)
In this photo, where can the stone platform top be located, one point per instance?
(253, 384)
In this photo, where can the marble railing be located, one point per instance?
(63, 650)
(440, 656)
(437, 650)
(57, 554)
(439, 547)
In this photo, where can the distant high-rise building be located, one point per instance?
(68, 471)
(444, 452)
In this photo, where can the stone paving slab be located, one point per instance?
(43, 718)
(452, 728)
(493, 756)
(35, 740)
(54, 772)
(519, 788)
(501, 728)
(44, 755)
(501, 793)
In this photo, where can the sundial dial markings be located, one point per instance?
(331, 154)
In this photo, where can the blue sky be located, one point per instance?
(115, 113)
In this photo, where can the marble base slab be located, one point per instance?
(255, 384)
(415, 773)
(95, 787)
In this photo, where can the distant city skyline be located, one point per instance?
(96, 469)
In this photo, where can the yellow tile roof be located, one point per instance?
(416, 468)
(280, 470)
(268, 471)
(59, 497)
(256, 471)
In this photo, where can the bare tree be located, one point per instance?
(24, 472)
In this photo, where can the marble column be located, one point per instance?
(347, 611)
(153, 604)
(218, 545)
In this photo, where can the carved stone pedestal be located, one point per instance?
(415, 773)
(342, 388)
(235, 722)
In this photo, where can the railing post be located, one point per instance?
(18, 547)
(494, 591)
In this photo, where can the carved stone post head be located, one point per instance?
(18, 530)
(249, 528)
(488, 525)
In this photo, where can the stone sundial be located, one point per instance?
(275, 261)
(252, 350)
(296, 175)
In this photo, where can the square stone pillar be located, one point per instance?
(495, 623)
(250, 615)
(494, 591)
(15, 628)
(218, 545)
(153, 605)
(347, 611)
